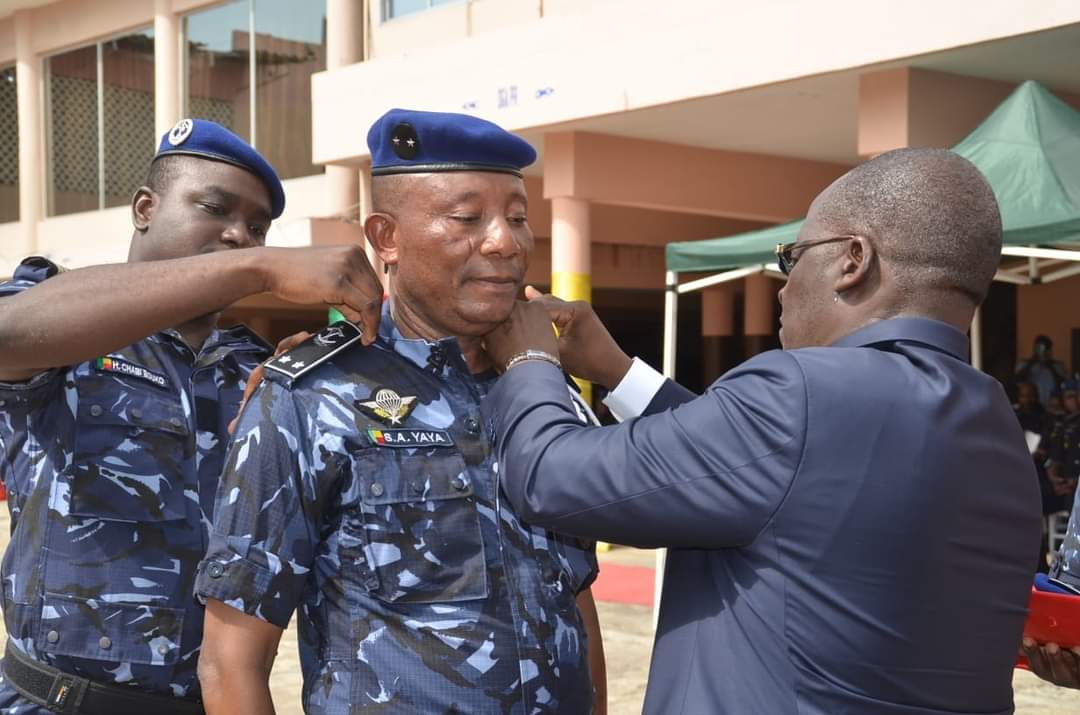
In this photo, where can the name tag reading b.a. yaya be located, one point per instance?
(410, 438)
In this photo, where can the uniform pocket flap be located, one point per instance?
(134, 409)
(99, 629)
(391, 477)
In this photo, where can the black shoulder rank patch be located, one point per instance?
(316, 350)
(410, 438)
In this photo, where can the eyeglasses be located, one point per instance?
(785, 251)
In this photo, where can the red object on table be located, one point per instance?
(1052, 618)
(3, 492)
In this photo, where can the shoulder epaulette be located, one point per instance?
(316, 350)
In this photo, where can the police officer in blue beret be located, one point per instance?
(362, 489)
(116, 387)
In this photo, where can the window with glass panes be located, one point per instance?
(9, 147)
(272, 45)
(99, 122)
(397, 8)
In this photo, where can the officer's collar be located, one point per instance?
(236, 338)
(938, 335)
(425, 354)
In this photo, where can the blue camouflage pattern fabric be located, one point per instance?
(419, 590)
(112, 467)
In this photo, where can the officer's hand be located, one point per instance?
(1051, 662)
(586, 348)
(527, 328)
(256, 376)
(339, 276)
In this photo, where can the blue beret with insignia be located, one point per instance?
(210, 140)
(405, 141)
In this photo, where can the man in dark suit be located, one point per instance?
(851, 520)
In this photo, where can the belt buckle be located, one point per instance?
(66, 693)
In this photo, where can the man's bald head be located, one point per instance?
(929, 212)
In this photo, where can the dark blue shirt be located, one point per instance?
(112, 466)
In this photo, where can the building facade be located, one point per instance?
(655, 122)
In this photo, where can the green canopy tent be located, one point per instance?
(1029, 151)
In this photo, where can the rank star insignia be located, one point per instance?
(388, 406)
(404, 141)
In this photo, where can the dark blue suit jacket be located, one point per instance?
(853, 528)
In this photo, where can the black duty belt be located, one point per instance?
(60, 692)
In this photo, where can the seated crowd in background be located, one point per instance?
(1048, 408)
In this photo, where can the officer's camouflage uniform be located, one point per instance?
(419, 590)
(111, 468)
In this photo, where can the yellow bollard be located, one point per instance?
(574, 286)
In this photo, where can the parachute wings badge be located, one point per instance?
(388, 406)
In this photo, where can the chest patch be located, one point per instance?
(388, 406)
(410, 438)
(123, 367)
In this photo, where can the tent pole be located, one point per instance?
(1057, 254)
(1060, 273)
(671, 324)
(1013, 278)
(671, 318)
(976, 340)
(1033, 269)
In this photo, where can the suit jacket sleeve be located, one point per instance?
(708, 473)
(671, 394)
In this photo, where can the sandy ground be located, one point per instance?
(627, 631)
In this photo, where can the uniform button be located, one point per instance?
(215, 569)
(3, 402)
(176, 421)
(105, 643)
(458, 483)
(136, 413)
(472, 425)
(163, 649)
(377, 489)
(96, 410)
(52, 636)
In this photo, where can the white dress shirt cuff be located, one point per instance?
(635, 391)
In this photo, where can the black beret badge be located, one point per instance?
(405, 142)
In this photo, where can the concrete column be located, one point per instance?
(717, 328)
(908, 106)
(571, 256)
(758, 313)
(344, 47)
(31, 149)
(166, 68)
